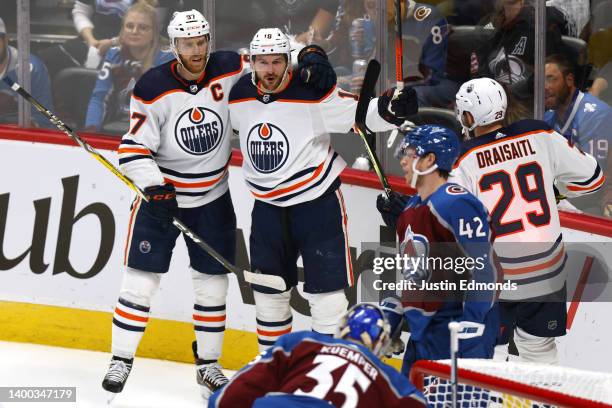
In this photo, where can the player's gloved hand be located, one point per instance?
(391, 208)
(395, 107)
(314, 68)
(397, 346)
(161, 204)
(558, 195)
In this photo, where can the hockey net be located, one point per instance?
(488, 383)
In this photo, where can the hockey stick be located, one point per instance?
(272, 281)
(367, 90)
(399, 70)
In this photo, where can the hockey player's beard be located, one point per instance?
(194, 68)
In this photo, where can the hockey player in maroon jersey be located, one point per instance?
(178, 151)
(307, 369)
(512, 169)
(445, 230)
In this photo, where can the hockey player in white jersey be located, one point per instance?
(178, 150)
(293, 174)
(512, 170)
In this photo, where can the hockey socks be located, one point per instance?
(209, 326)
(129, 323)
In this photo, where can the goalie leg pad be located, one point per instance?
(132, 311)
(273, 315)
(326, 310)
(535, 349)
(210, 292)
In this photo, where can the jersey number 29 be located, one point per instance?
(519, 183)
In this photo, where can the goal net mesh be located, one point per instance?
(488, 383)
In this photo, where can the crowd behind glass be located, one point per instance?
(88, 54)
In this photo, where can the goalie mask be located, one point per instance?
(269, 41)
(366, 323)
(485, 99)
(189, 24)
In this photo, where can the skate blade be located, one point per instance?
(205, 392)
(110, 396)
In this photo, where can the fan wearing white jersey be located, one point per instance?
(512, 170)
(178, 150)
(293, 174)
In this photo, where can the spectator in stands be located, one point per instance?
(140, 48)
(425, 33)
(509, 56)
(581, 118)
(97, 22)
(40, 83)
(309, 21)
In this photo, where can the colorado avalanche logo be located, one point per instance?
(268, 147)
(415, 248)
(198, 130)
(455, 189)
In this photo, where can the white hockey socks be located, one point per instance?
(535, 349)
(326, 310)
(273, 315)
(132, 311)
(209, 314)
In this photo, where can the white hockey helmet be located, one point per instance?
(484, 98)
(269, 41)
(186, 24)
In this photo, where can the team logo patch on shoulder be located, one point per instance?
(268, 147)
(421, 13)
(198, 130)
(455, 190)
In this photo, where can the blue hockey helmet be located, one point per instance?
(435, 139)
(366, 323)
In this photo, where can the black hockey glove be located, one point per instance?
(396, 108)
(161, 204)
(314, 68)
(391, 208)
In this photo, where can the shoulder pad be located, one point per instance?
(222, 63)
(243, 89)
(155, 82)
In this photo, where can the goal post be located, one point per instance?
(488, 383)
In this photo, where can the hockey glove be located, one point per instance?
(397, 107)
(314, 68)
(391, 208)
(161, 204)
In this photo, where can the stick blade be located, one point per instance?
(262, 279)
(367, 91)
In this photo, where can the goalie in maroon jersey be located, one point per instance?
(308, 369)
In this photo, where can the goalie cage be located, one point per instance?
(488, 383)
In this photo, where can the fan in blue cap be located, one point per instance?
(366, 323)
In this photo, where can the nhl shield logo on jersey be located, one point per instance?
(268, 147)
(198, 130)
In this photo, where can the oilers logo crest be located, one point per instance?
(198, 130)
(268, 147)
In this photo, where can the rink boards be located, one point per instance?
(63, 223)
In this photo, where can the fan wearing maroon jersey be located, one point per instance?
(308, 369)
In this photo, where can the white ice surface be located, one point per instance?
(152, 383)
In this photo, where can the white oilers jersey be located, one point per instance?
(284, 138)
(180, 131)
(512, 171)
